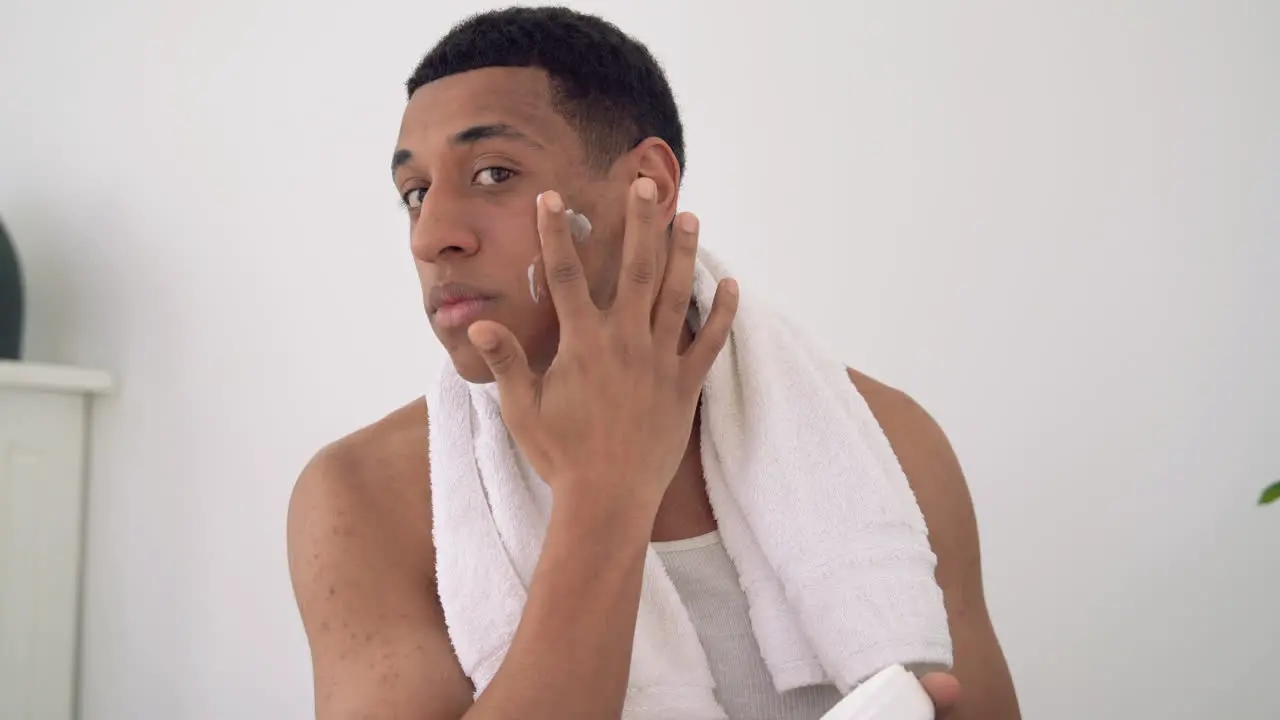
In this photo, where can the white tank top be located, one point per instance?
(707, 582)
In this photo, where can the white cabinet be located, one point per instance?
(44, 416)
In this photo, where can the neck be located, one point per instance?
(685, 511)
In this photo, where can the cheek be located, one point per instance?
(601, 255)
(512, 263)
(529, 277)
(510, 231)
(426, 274)
(540, 333)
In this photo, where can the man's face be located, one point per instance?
(475, 150)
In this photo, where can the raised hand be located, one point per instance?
(610, 418)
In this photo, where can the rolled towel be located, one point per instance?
(812, 506)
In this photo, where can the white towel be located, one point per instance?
(811, 503)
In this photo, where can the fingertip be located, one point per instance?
(483, 336)
(687, 222)
(727, 297)
(645, 188)
(943, 688)
(551, 201)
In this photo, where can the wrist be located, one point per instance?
(605, 515)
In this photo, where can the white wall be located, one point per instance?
(1056, 224)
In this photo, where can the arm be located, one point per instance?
(571, 655)
(987, 691)
(363, 572)
(362, 569)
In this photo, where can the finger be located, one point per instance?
(638, 275)
(711, 338)
(672, 308)
(566, 280)
(501, 351)
(944, 690)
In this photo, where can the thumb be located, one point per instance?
(502, 353)
(944, 689)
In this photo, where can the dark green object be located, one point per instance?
(10, 299)
(1271, 494)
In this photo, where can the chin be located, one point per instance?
(471, 366)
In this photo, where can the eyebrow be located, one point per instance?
(398, 158)
(471, 136)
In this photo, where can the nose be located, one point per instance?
(441, 231)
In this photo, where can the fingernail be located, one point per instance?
(646, 189)
(689, 222)
(553, 203)
(731, 286)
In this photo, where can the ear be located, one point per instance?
(654, 159)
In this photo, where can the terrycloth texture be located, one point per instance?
(811, 503)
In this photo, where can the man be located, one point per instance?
(599, 380)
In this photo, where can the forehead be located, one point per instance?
(515, 97)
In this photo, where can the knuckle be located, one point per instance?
(715, 339)
(626, 355)
(576, 362)
(565, 272)
(669, 371)
(709, 351)
(642, 272)
(627, 350)
(623, 350)
(680, 303)
(501, 360)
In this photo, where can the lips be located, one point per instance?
(456, 304)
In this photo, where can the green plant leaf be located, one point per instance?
(1271, 494)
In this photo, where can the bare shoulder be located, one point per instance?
(377, 465)
(938, 481)
(370, 487)
(362, 566)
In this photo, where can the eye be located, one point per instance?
(494, 175)
(413, 198)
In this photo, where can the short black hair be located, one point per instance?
(606, 84)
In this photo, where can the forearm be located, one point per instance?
(571, 654)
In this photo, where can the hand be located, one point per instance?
(944, 689)
(611, 416)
